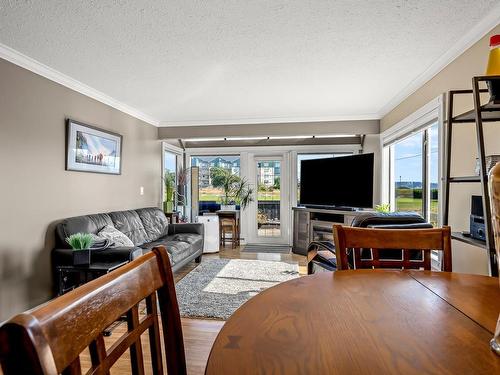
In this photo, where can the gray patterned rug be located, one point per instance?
(217, 287)
(258, 248)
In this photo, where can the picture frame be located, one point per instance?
(91, 149)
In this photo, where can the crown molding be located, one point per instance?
(43, 70)
(464, 43)
(270, 120)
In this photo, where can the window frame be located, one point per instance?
(422, 119)
(425, 162)
(179, 156)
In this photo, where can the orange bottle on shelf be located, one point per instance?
(493, 68)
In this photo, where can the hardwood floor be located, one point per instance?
(199, 334)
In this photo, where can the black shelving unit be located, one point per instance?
(489, 112)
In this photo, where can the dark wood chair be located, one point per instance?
(404, 240)
(229, 222)
(50, 338)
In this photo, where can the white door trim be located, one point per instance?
(285, 206)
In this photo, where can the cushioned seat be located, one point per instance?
(190, 238)
(389, 220)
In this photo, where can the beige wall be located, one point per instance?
(458, 75)
(36, 191)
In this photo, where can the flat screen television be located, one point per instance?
(345, 182)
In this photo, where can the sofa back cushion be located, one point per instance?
(155, 222)
(80, 224)
(130, 224)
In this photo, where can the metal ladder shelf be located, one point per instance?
(489, 112)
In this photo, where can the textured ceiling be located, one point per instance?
(237, 60)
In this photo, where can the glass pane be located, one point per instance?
(268, 198)
(170, 180)
(301, 157)
(211, 194)
(433, 174)
(408, 174)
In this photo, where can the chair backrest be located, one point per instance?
(402, 240)
(49, 339)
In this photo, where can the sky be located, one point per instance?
(408, 158)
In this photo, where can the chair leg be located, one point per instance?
(233, 235)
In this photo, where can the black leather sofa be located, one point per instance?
(146, 227)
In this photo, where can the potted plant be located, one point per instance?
(169, 183)
(80, 243)
(236, 189)
(385, 207)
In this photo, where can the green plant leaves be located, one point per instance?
(80, 241)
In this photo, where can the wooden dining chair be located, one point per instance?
(402, 240)
(228, 226)
(49, 339)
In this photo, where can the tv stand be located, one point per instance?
(332, 208)
(316, 224)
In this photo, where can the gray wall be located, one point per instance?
(36, 191)
(272, 129)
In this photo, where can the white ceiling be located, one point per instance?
(237, 61)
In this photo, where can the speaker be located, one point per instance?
(477, 226)
(476, 206)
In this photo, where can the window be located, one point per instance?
(414, 173)
(209, 195)
(301, 157)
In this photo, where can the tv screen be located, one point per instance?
(345, 181)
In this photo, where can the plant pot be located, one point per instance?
(228, 207)
(168, 206)
(81, 257)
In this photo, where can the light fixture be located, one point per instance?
(335, 136)
(244, 138)
(292, 137)
(203, 139)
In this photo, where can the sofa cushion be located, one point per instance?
(117, 238)
(129, 223)
(80, 224)
(154, 221)
(190, 238)
(179, 250)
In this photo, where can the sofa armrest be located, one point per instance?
(185, 228)
(64, 257)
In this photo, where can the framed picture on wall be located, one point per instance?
(90, 149)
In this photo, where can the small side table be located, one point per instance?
(69, 277)
(173, 217)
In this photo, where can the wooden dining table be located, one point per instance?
(364, 322)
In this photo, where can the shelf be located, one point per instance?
(466, 179)
(490, 113)
(469, 240)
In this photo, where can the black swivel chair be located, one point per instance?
(325, 250)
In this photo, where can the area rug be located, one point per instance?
(273, 249)
(217, 287)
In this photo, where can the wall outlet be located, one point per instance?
(142, 190)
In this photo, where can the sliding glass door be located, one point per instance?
(268, 198)
(270, 213)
